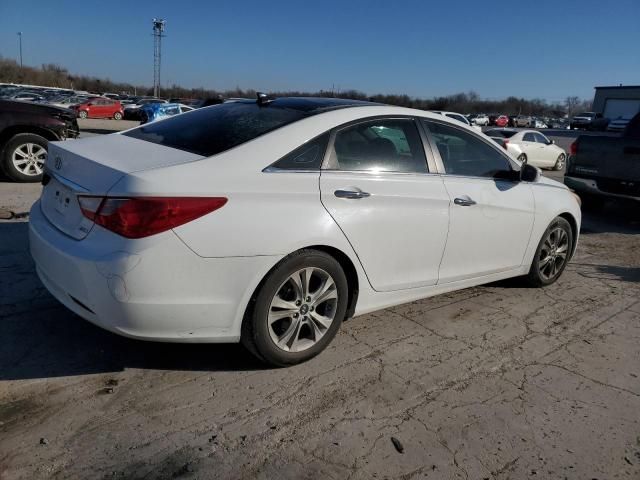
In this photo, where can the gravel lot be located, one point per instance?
(492, 382)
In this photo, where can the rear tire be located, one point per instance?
(292, 318)
(117, 116)
(552, 254)
(560, 162)
(522, 158)
(23, 157)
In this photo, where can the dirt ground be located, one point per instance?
(494, 382)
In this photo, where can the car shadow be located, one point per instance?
(610, 215)
(40, 338)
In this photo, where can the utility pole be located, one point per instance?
(158, 33)
(20, 47)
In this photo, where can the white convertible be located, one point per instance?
(271, 221)
(530, 146)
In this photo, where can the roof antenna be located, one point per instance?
(263, 98)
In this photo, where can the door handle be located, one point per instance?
(464, 202)
(353, 194)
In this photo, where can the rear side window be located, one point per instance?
(379, 146)
(306, 157)
(528, 137)
(212, 130)
(464, 154)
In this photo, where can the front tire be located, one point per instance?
(552, 254)
(83, 114)
(23, 157)
(297, 310)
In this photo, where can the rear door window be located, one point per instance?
(528, 137)
(385, 145)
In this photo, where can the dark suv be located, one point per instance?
(25, 129)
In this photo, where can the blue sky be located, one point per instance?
(544, 49)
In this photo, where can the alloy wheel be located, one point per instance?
(553, 253)
(29, 159)
(302, 310)
(560, 162)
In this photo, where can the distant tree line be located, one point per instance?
(52, 75)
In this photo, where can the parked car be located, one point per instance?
(481, 120)
(502, 121)
(523, 121)
(589, 121)
(99, 107)
(492, 118)
(25, 130)
(131, 111)
(530, 146)
(618, 125)
(558, 123)
(26, 97)
(537, 123)
(223, 229)
(606, 165)
(157, 111)
(456, 116)
(67, 101)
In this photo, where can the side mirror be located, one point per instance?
(529, 173)
(551, 142)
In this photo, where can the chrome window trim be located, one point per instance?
(327, 157)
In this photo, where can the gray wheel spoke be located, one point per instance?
(276, 315)
(289, 338)
(326, 292)
(321, 320)
(545, 260)
(278, 302)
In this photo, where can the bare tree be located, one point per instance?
(572, 105)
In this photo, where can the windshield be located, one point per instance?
(215, 129)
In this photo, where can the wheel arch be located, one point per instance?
(342, 258)
(574, 230)
(12, 131)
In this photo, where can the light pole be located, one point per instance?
(20, 47)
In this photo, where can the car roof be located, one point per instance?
(312, 105)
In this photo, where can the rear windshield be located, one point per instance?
(212, 130)
(500, 133)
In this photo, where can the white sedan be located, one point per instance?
(530, 146)
(271, 221)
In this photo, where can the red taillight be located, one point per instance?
(139, 217)
(573, 148)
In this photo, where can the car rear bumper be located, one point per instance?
(590, 186)
(159, 291)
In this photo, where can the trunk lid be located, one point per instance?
(92, 166)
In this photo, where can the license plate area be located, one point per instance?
(62, 197)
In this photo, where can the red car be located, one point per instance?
(502, 121)
(100, 107)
